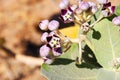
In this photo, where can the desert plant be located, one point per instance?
(94, 54)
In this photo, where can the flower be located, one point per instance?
(54, 42)
(116, 21)
(67, 15)
(55, 45)
(51, 49)
(108, 10)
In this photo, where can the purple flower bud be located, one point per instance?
(78, 10)
(44, 51)
(64, 4)
(94, 9)
(84, 6)
(102, 1)
(73, 7)
(92, 3)
(43, 24)
(53, 25)
(116, 21)
(44, 36)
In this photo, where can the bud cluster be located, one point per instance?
(55, 42)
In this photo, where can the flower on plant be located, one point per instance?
(67, 15)
(53, 42)
(52, 47)
(107, 9)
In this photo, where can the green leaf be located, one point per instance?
(108, 75)
(73, 72)
(117, 10)
(106, 40)
(69, 72)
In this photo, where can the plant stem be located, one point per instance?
(100, 18)
(80, 53)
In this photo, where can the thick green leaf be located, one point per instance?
(106, 40)
(72, 72)
(68, 72)
(108, 75)
(117, 10)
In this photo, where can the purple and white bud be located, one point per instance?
(94, 9)
(102, 1)
(44, 51)
(92, 3)
(116, 21)
(78, 10)
(64, 4)
(84, 6)
(44, 36)
(44, 25)
(73, 7)
(53, 25)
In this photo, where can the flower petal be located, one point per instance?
(63, 11)
(44, 36)
(57, 51)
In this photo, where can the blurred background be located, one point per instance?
(20, 36)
